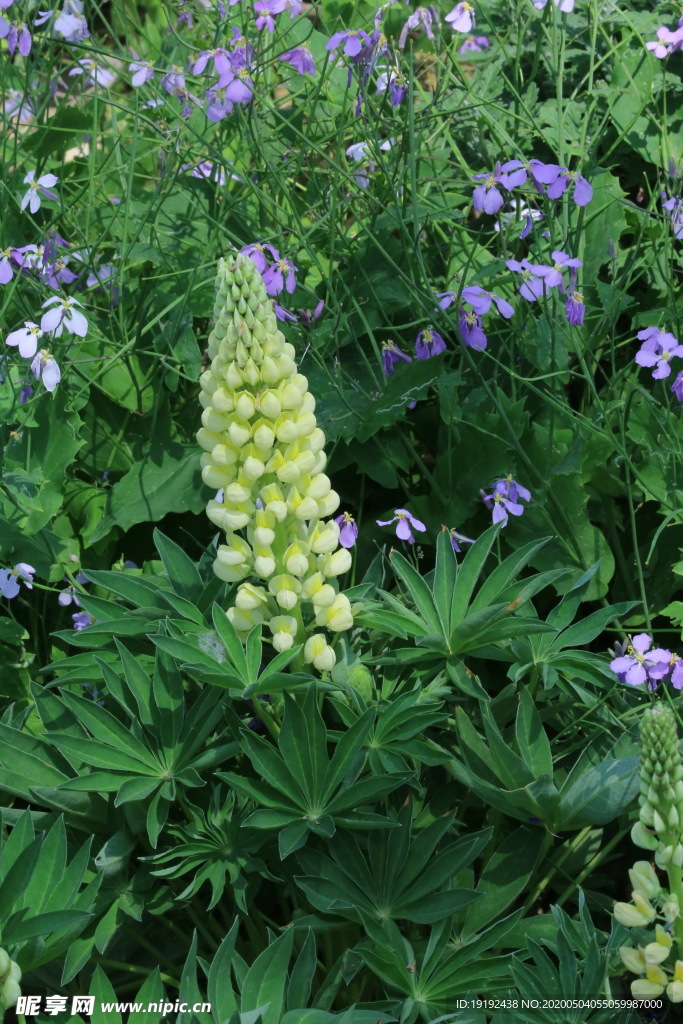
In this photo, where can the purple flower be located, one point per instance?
(429, 343)
(391, 355)
(257, 255)
(513, 174)
(575, 309)
(561, 260)
(174, 79)
(583, 192)
(220, 58)
(677, 387)
(457, 539)
(70, 23)
(26, 338)
(641, 664)
(474, 44)
(300, 59)
(238, 86)
(486, 197)
(82, 620)
(667, 42)
(9, 579)
(17, 104)
(471, 331)
(283, 314)
(17, 34)
(142, 71)
(480, 300)
(353, 40)
(462, 17)
(36, 189)
(280, 275)
(674, 206)
(6, 272)
(218, 105)
(395, 83)
(564, 6)
(44, 367)
(25, 394)
(534, 276)
(348, 530)
(657, 349)
(405, 521)
(446, 299)
(504, 499)
(94, 73)
(425, 16)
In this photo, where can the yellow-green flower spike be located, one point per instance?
(264, 451)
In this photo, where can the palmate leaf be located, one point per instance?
(304, 789)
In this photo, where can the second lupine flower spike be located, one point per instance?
(263, 448)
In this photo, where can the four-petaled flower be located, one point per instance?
(9, 579)
(504, 499)
(404, 520)
(44, 367)
(348, 530)
(142, 72)
(38, 188)
(534, 276)
(487, 197)
(462, 17)
(658, 348)
(641, 664)
(480, 300)
(300, 58)
(471, 331)
(353, 40)
(279, 276)
(64, 315)
(391, 354)
(26, 338)
(429, 343)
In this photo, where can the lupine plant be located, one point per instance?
(340, 632)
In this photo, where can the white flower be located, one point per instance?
(26, 338)
(45, 368)
(64, 315)
(36, 189)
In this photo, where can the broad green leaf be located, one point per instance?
(534, 745)
(180, 569)
(599, 794)
(266, 979)
(506, 874)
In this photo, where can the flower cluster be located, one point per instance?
(658, 348)
(551, 180)
(658, 830)
(264, 449)
(504, 499)
(668, 40)
(635, 663)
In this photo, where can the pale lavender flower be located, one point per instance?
(395, 83)
(446, 299)
(280, 275)
(64, 315)
(26, 338)
(462, 18)
(486, 196)
(18, 104)
(474, 44)
(25, 394)
(422, 16)
(257, 254)
(17, 34)
(471, 331)
(512, 173)
(677, 387)
(219, 57)
(95, 74)
(457, 539)
(641, 664)
(283, 314)
(353, 39)
(561, 260)
(206, 169)
(6, 272)
(480, 300)
(504, 500)
(429, 343)
(36, 189)
(575, 309)
(583, 192)
(658, 348)
(44, 367)
(82, 620)
(267, 9)
(405, 521)
(534, 278)
(391, 355)
(674, 207)
(218, 105)
(70, 23)
(301, 59)
(238, 86)
(564, 6)
(9, 579)
(174, 80)
(142, 72)
(348, 530)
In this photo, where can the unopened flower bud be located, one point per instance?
(318, 651)
(651, 986)
(644, 878)
(632, 959)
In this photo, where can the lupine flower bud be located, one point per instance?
(635, 916)
(263, 448)
(360, 678)
(644, 878)
(10, 976)
(651, 986)
(633, 959)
